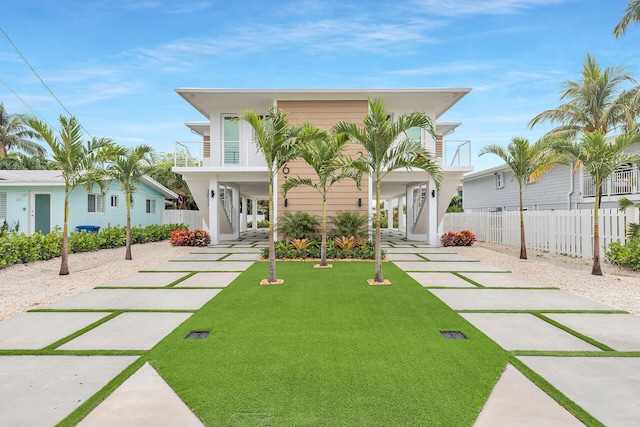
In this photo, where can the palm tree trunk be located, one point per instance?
(523, 245)
(3, 146)
(272, 246)
(127, 255)
(323, 245)
(64, 253)
(596, 270)
(379, 278)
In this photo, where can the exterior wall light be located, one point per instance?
(359, 203)
(433, 193)
(213, 194)
(286, 203)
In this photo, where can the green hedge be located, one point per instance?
(20, 248)
(285, 250)
(627, 256)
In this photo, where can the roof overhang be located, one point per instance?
(206, 100)
(486, 172)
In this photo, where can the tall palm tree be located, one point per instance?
(597, 101)
(128, 168)
(275, 139)
(388, 148)
(81, 164)
(600, 158)
(631, 14)
(325, 154)
(14, 134)
(528, 162)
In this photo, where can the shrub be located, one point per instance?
(286, 250)
(299, 225)
(461, 238)
(627, 256)
(346, 243)
(189, 238)
(349, 223)
(300, 244)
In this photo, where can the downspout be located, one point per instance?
(570, 187)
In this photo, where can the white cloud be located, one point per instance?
(480, 7)
(456, 67)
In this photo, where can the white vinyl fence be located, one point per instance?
(566, 232)
(191, 219)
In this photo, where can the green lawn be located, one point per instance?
(327, 349)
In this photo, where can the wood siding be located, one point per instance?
(206, 146)
(344, 195)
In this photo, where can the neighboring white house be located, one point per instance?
(34, 201)
(495, 189)
(224, 170)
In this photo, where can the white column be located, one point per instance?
(389, 206)
(401, 215)
(254, 214)
(235, 214)
(432, 218)
(214, 221)
(243, 214)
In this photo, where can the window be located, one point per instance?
(114, 201)
(414, 133)
(499, 179)
(151, 206)
(95, 203)
(231, 141)
(3, 206)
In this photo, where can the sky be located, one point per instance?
(114, 64)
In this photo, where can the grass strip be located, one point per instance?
(327, 349)
(556, 353)
(582, 415)
(182, 279)
(473, 282)
(225, 256)
(575, 333)
(107, 310)
(71, 352)
(545, 311)
(82, 331)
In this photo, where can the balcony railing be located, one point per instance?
(456, 153)
(187, 154)
(622, 182)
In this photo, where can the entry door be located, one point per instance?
(41, 213)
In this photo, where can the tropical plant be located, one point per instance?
(14, 133)
(345, 243)
(600, 158)
(633, 228)
(460, 238)
(597, 101)
(528, 162)
(325, 154)
(298, 225)
(20, 161)
(300, 244)
(631, 15)
(128, 167)
(349, 223)
(81, 164)
(163, 173)
(455, 205)
(275, 139)
(388, 148)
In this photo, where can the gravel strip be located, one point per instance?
(29, 286)
(618, 288)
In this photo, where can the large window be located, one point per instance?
(151, 206)
(3, 206)
(95, 203)
(231, 141)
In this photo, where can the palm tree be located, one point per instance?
(80, 163)
(631, 14)
(388, 148)
(14, 134)
(595, 102)
(528, 163)
(275, 140)
(633, 228)
(325, 154)
(128, 168)
(600, 158)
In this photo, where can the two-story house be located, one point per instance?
(225, 171)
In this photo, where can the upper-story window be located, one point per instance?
(231, 141)
(500, 180)
(414, 133)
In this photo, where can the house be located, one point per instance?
(561, 188)
(33, 200)
(225, 173)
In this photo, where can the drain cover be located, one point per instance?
(453, 335)
(197, 335)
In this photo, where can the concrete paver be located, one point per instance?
(618, 331)
(147, 280)
(201, 266)
(514, 299)
(413, 250)
(138, 299)
(606, 387)
(128, 331)
(203, 257)
(43, 390)
(445, 266)
(209, 280)
(243, 257)
(503, 280)
(403, 257)
(446, 257)
(516, 401)
(37, 330)
(226, 250)
(523, 331)
(447, 280)
(144, 399)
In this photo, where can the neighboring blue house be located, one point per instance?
(34, 201)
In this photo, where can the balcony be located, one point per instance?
(622, 182)
(455, 154)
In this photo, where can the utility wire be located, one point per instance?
(26, 104)
(39, 78)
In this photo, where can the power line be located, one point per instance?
(25, 103)
(39, 78)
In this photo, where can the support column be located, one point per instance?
(243, 214)
(389, 207)
(214, 220)
(235, 214)
(401, 216)
(432, 218)
(254, 214)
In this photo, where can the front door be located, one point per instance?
(41, 213)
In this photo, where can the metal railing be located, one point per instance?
(456, 153)
(620, 183)
(188, 154)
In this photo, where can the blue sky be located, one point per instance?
(114, 64)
